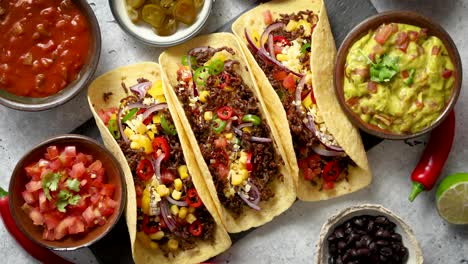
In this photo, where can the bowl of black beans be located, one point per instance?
(367, 234)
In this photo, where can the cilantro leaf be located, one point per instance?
(61, 205)
(305, 48)
(410, 79)
(383, 69)
(74, 200)
(50, 183)
(73, 184)
(65, 198)
(64, 195)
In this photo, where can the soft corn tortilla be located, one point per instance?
(323, 52)
(284, 191)
(111, 83)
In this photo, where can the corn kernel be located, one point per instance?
(191, 218)
(156, 89)
(174, 209)
(247, 129)
(292, 25)
(161, 99)
(183, 172)
(208, 115)
(243, 157)
(178, 184)
(183, 212)
(157, 236)
(282, 57)
(154, 245)
(306, 26)
(256, 37)
(162, 190)
(204, 95)
(236, 178)
(176, 195)
(113, 116)
(134, 145)
(191, 209)
(128, 132)
(244, 174)
(157, 118)
(140, 128)
(173, 244)
(150, 134)
(228, 135)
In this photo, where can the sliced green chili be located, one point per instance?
(113, 128)
(168, 128)
(410, 79)
(193, 61)
(218, 125)
(305, 47)
(216, 67)
(201, 75)
(129, 115)
(254, 119)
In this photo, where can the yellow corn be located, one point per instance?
(208, 115)
(292, 25)
(141, 141)
(191, 218)
(256, 38)
(162, 190)
(128, 132)
(228, 135)
(113, 116)
(178, 184)
(247, 129)
(174, 209)
(183, 172)
(244, 174)
(217, 56)
(145, 200)
(306, 26)
(204, 95)
(154, 245)
(236, 178)
(173, 244)
(150, 134)
(176, 195)
(157, 118)
(156, 89)
(191, 209)
(157, 236)
(183, 212)
(282, 57)
(243, 157)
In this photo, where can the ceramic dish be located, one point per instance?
(408, 238)
(145, 34)
(373, 23)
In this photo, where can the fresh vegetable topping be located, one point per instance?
(145, 170)
(160, 146)
(254, 119)
(224, 113)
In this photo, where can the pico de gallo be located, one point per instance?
(233, 137)
(170, 214)
(67, 193)
(283, 52)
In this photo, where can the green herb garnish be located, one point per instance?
(65, 198)
(50, 183)
(383, 69)
(410, 79)
(73, 184)
(305, 47)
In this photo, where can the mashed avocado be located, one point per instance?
(398, 78)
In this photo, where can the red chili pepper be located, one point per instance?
(42, 254)
(331, 171)
(196, 228)
(148, 229)
(224, 80)
(145, 170)
(161, 143)
(225, 112)
(193, 199)
(282, 40)
(148, 120)
(249, 163)
(433, 159)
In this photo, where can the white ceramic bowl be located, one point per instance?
(409, 240)
(144, 33)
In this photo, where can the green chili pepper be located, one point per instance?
(129, 115)
(305, 48)
(216, 67)
(168, 128)
(218, 125)
(113, 128)
(201, 75)
(410, 79)
(254, 119)
(193, 61)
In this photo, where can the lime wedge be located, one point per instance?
(452, 198)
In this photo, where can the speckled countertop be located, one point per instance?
(291, 237)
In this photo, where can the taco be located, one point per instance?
(170, 215)
(290, 48)
(208, 84)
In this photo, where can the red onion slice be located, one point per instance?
(157, 165)
(261, 139)
(267, 33)
(137, 105)
(140, 89)
(154, 108)
(165, 213)
(189, 61)
(311, 126)
(335, 148)
(119, 122)
(326, 152)
(178, 203)
(245, 197)
(299, 89)
(239, 132)
(271, 48)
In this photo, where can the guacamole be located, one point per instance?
(398, 78)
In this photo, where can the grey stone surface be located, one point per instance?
(291, 237)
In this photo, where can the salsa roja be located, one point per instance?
(43, 47)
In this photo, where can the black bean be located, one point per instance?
(341, 245)
(396, 237)
(363, 252)
(348, 225)
(382, 243)
(403, 253)
(366, 239)
(386, 251)
(383, 258)
(339, 233)
(332, 249)
(382, 233)
(353, 252)
(331, 238)
(331, 260)
(370, 226)
(359, 244)
(349, 230)
(353, 237)
(346, 256)
(372, 246)
(339, 261)
(358, 222)
(380, 220)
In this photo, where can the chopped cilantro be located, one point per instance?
(383, 69)
(305, 47)
(65, 198)
(74, 200)
(73, 184)
(410, 79)
(50, 183)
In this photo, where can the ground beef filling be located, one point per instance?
(242, 101)
(181, 233)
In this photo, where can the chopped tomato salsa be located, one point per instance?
(43, 47)
(67, 193)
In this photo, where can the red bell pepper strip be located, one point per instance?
(433, 159)
(40, 253)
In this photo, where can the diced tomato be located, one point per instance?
(36, 216)
(435, 50)
(402, 41)
(85, 159)
(139, 190)
(107, 206)
(290, 83)
(106, 114)
(352, 101)
(88, 215)
(95, 198)
(77, 227)
(43, 163)
(328, 185)
(404, 74)
(363, 72)
(267, 17)
(384, 33)
(33, 171)
(222, 170)
(309, 174)
(372, 87)
(62, 228)
(221, 143)
(52, 153)
(28, 197)
(167, 176)
(277, 49)
(108, 190)
(55, 165)
(78, 170)
(69, 151)
(48, 235)
(280, 75)
(80, 206)
(447, 73)
(51, 220)
(184, 74)
(95, 166)
(378, 49)
(33, 186)
(99, 175)
(43, 205)
(413, 35)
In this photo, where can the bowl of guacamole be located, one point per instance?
(398, 74)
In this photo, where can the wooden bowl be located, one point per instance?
(19, 179)
(409, 240)
(373, 23)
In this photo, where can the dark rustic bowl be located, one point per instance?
(19, 179)
(87, 72)
(373, 22)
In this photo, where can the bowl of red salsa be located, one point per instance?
(49, 50)
(68, 192)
